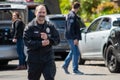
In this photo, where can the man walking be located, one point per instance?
(73, 35)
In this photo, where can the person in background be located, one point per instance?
(39, 36)
(73, 35)
(18, 28)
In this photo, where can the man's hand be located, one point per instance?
(45, 42)
(43, 35)
(14, 40)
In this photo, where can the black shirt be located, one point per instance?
(37, 52)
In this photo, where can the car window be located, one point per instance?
(94, 25)
(116, 23)
(59, 22)
(5, 15)
(31, 14)
(6, 24)
(105, 24)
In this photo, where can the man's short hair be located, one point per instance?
(39, 6)
(75, 5)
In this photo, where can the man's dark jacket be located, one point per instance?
(18, 28)
(73, 26)
(36, 52)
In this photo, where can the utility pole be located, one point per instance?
(53, 6)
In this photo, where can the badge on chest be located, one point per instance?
(48, 31)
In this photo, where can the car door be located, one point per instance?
(103, 32)
(95, 37)
(87, 44)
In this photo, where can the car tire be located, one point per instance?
(81, 61)
(105, 60)
(112, 62)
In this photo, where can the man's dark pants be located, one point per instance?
(35, 70)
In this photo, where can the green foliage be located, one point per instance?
(39, 1)
(87, 6)
(87, 24)
(105, 8)
(96, 8)
(65, 6)
(90, 9)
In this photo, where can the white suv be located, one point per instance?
(94, 44)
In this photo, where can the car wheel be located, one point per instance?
(81, 61)
(112, 63)
(105, 60)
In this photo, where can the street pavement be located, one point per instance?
(92, 71)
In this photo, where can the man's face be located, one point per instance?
(77, 10)
(40, 13)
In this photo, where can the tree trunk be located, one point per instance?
(2, 0)
(53, 6)
(116, 1)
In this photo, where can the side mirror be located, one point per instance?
(83, 30)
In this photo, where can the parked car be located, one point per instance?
(101, 41)
(7, 47)
(59, 21)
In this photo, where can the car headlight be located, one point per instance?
(112, 34)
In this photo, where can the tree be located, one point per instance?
(53, 6)
(116, 1)
(2, 0)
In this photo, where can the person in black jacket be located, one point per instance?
(39, 36)
(18, 28)
(73, 35)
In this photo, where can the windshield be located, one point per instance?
(6, 14)
(6, 25)
(58, 22)
(31, 14)
(116, 23)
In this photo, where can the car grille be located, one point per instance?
(62, 36)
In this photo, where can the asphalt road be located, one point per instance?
(93, 70)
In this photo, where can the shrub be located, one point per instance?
(106, 8)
